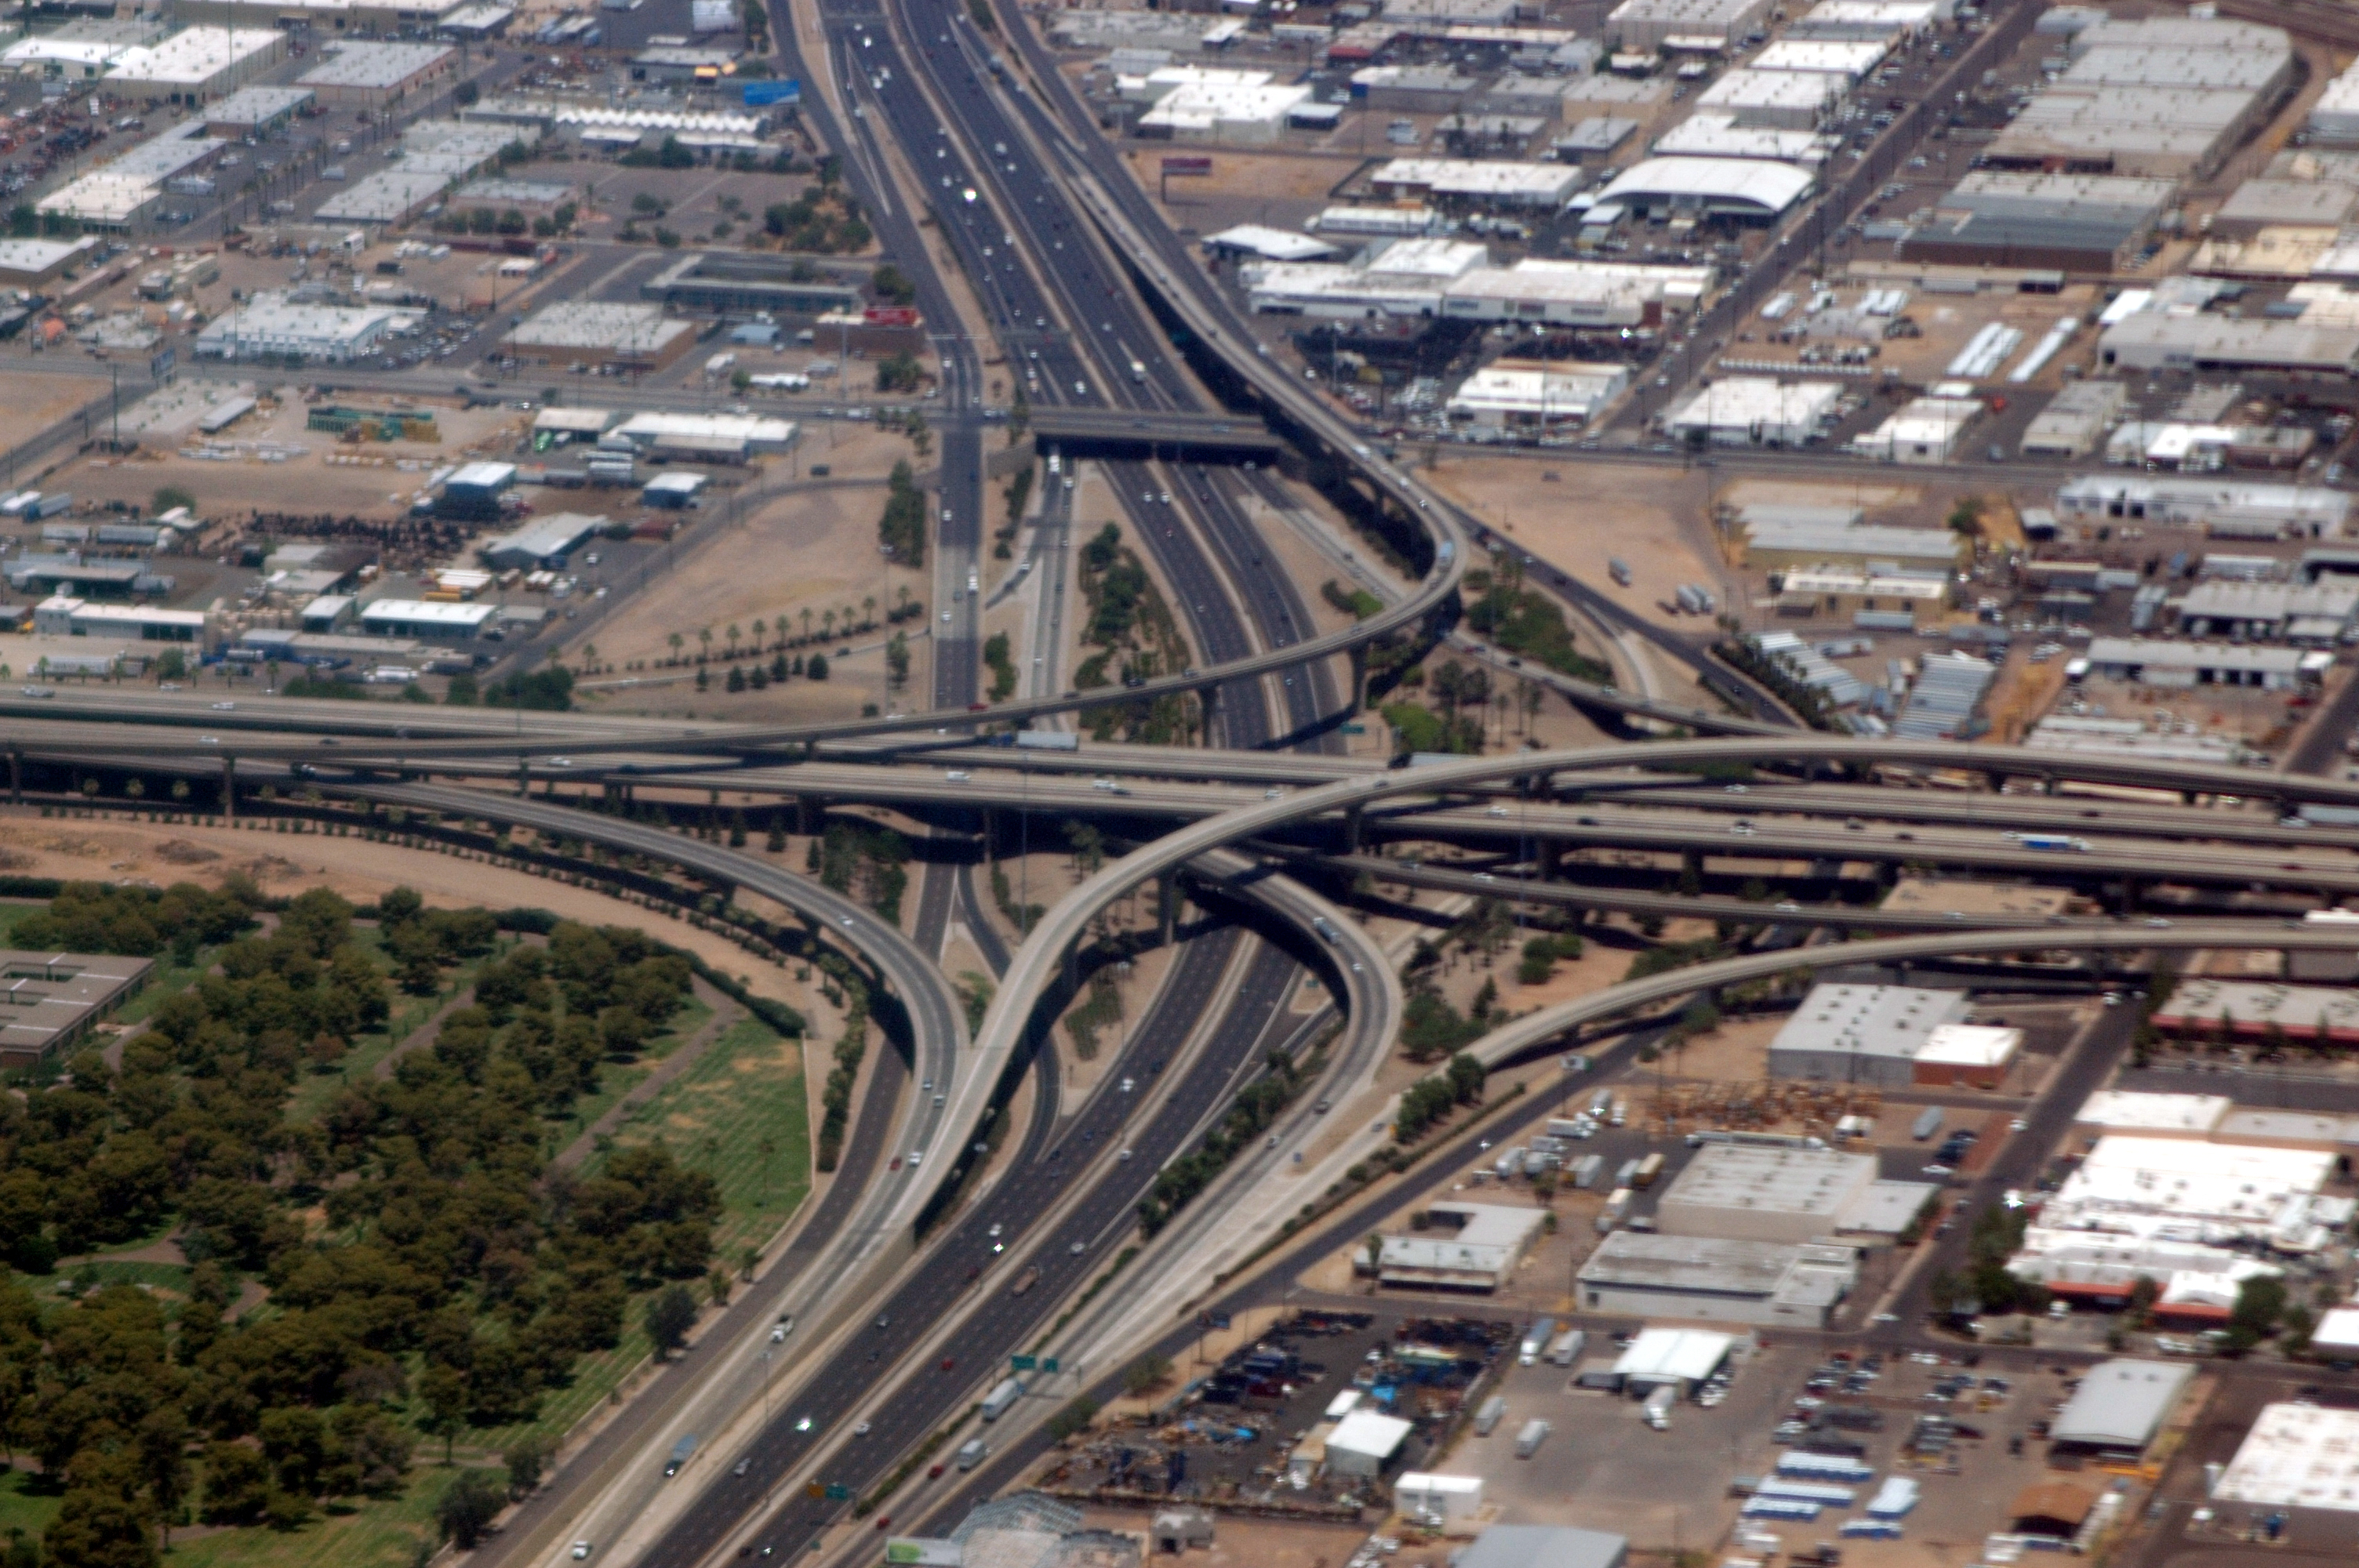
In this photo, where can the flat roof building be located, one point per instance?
(2223, 507)
(329, 17)
(1529, 397)
(1470, 1247)
(2146, 1115)
(730, 284)
(2151, 341)
(585, 331)
(658, 432)
(103, 201)
(2300, 1455)
(270, 325)
(2070, 223)
(1469, 182)
(1774, 99)
(358, 75)
(1644, 27)
(2143, 661)
(49, 1000)
(1544, 1546)
(2334, 118)
(37, 263)
(1714, 1280)
(196, 65)
(2075, 421)
(2119, 1407)
(1862, 1034)
(256, 111)
(1750, 190)
(1717, 135)
(2256, 1010)
(427, 621)
(61, 615)
(1365, 1441)
(1778, 545)
(1849, 60)
(1760, 1194)
(1924, 430)
(1755, 411)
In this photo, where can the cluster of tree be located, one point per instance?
(835, 1098)
(422, 941)
(1809, 703)
(1128, 619)
(1665, 956)
(425, 1269)
(901, 530)
(1431, 1028)
(825, 221)
(1544, 951)
(549, 690)
(1357, 602)
(1116, 584)
(863, 859)
(1257, 1105)
(1985, 1284)
(139, 921)
(1430, 1100)
(1018, 495)
(999, 654)
(900, 373)
(1499, 607)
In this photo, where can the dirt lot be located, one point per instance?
(31, 402)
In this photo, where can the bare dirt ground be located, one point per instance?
(116, 849)
(1652, 518)
(31, 404)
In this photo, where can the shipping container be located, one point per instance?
(1926, 1124)
(1486, 1419)
(1657, 1408)
(1567, 1347)
(1048, 740)
(1586, 1170)
(1648, 1170)
(1618, 1207)
(1528, 1441)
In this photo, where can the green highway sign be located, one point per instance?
(1023, 1363)
(837, 1492)
(1048, 1364)
(1355, 728)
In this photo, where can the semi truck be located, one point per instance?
(1486, 1419)
(1528, 1441)
(680, 1454)
(1536, 1340)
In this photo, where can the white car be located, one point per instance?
(581, 1549)
(224, 707)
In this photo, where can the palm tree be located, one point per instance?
(733, 634)
(704, 643)
(675, 639)
(868, 611)
(826, 623)
(904, 599)
(779, 626)
(847, 619)
(807, 614)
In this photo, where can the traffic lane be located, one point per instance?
(906, 1318)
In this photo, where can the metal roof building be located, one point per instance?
(2061, 221)
(544, 543)
(2142, 661)
(590, 332)
(269, 324)
(428, 621)
(1751, 1193)
(1782, 100)
(1716, 1279)
(196, 65)
(1645, 25)
(2119, 1406)
(1679, 1357)
(1746, 189)
(1862, 1034)
(1545, 1546)
(1755, 411)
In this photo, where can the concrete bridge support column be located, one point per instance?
(229, 790)
(16, 776)
(1208, 698)
(1359, 677)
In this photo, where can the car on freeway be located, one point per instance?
(582, 1549)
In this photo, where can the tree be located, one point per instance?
(444, 1390)
(162, 1451)
(467, 1507)
(1145, 1374)
(98, 1527)
(669, 1316)
(526, 1462)
(168, 497)
(816, 669)
(2260, 1304)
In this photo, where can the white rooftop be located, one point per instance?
(1691, 1355)
(1366, 1431)
(2130, 1111)
(1757, 182)
(420, 610)
(362, 64)
(193, 56)
(2120, 1404)
(1851, 61)
(2297, 1455)
(1971, 1046)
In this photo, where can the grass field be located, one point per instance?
(23, 1509)
(385, 1534)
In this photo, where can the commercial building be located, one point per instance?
(724, 284)
(661, 434)
(1839, 590)
(2068, 222)
(1755, 411)
(1849, 60)
(2075, 421)
(1467, 182)
(2151, 341)
(271, 325)
(196, 65)
(2118, 1408)
(598, 333)
(2167, 97)
(2259, 1011)
(49, 1000)
(2143, 661)
(1760, 1194)
(106, 202)
(1226, 114)
(37, 265)
(428, 621)
(2298, 1455)
(1532, 397)
(61, 615)
(1575, 293)
(253, 112)
(1774, 542)
(543, 544)
(66, 572)
(1544, 1546)
(1466, 1247)
(2168, 1188)
(2317, 613)
(1742, 190)
(2334, 118)
(357, 75)
(1671, 1358)
(1929, 430)
(1774, 100)
(1270, 244)
(1883, 21)
(318, 15)
(64, 56)
(1862, 1034)
(2110, 1111)
(1646, 27)
(1710, 134)
(2259, 204)
(1712, 1280)
(2224, 509)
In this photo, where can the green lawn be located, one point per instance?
(748, 1086)
(619, 1078)
(385, 1534)
(22, 1508)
